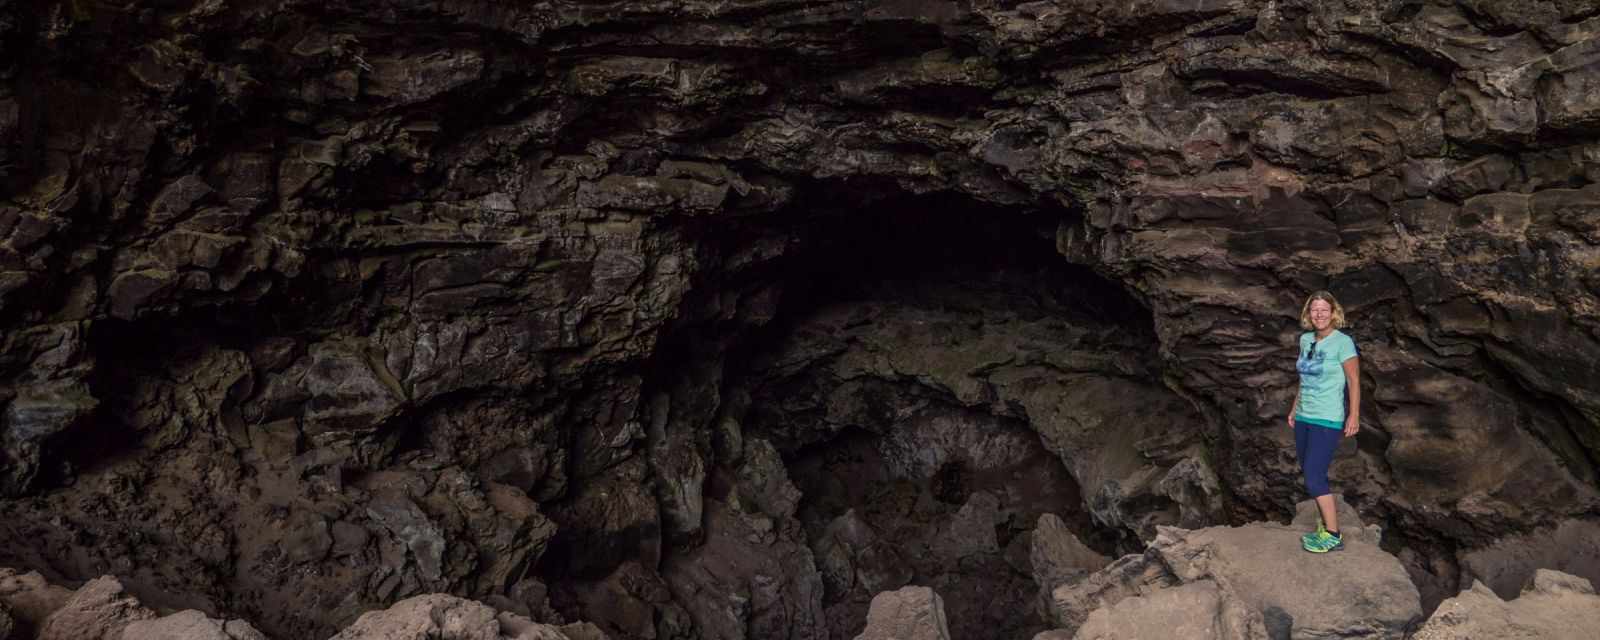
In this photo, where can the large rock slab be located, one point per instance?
(1351, 526)
(30, 598)
(1507, 565)
(101, 610)
(1358, 591)
(1553, 606)
(1195, 610)
(910, 613)
(445, 617)
(1259, 569)
(191, 625)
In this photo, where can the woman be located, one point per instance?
(1327, 408)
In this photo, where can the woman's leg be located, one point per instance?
(1321, 443)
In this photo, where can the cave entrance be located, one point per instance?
(895, 383)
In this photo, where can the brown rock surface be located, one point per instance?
(909, 613)
(1553, 605)
(1253, 581)
(29, 598)
(1194, 610)
(100, 610)
(191, 625)
(442, 617)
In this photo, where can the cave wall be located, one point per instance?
(295, 293)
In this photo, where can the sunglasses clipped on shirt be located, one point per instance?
(1311, 354)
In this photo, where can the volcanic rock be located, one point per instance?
(310, 308)
(909, 613)
(29, 599)
(1244, 587)
(1553, 605)
(442, 617)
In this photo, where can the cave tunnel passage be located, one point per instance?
(913, 470)
(952, 251)
(948, 499)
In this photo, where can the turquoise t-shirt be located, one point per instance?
(1322, 390)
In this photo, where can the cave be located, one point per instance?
(925, 452)
(768, 319)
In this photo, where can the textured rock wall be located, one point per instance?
(310, 307)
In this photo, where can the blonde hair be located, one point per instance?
(1338, 311)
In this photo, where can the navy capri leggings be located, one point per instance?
(1314, 446)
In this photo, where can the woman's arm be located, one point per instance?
(1352, 380)
(1293, 408)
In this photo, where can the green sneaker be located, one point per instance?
(1323, 542)
(1307, 538)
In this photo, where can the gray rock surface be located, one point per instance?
(1553, 606)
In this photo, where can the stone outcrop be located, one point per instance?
(1253, 581)
(103, 609)
(910, 613)
(1510, 564)
(310, 308)
(1057, 557)
(1553, 605)
(1199, 609)
(29, 599)
(443, 617)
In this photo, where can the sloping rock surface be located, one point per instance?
(910, 613)
(442, 617)
(1553, 606)
(1244, 582)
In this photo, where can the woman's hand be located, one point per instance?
(1291, 420)
(1352, 425)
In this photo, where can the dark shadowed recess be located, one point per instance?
(951, 258)
(940, 248)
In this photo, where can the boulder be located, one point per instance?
(1553, 606)
(1358, 591)
(910, 613)
(1058, 556)
(753, 578)
(445, 617)
(1200, 609)
(30, 598)
(1507, 565)
(101, 610)
(1351, 526)
(191, 625)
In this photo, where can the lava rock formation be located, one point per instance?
(713, 319)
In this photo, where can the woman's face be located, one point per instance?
(1321, 315)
